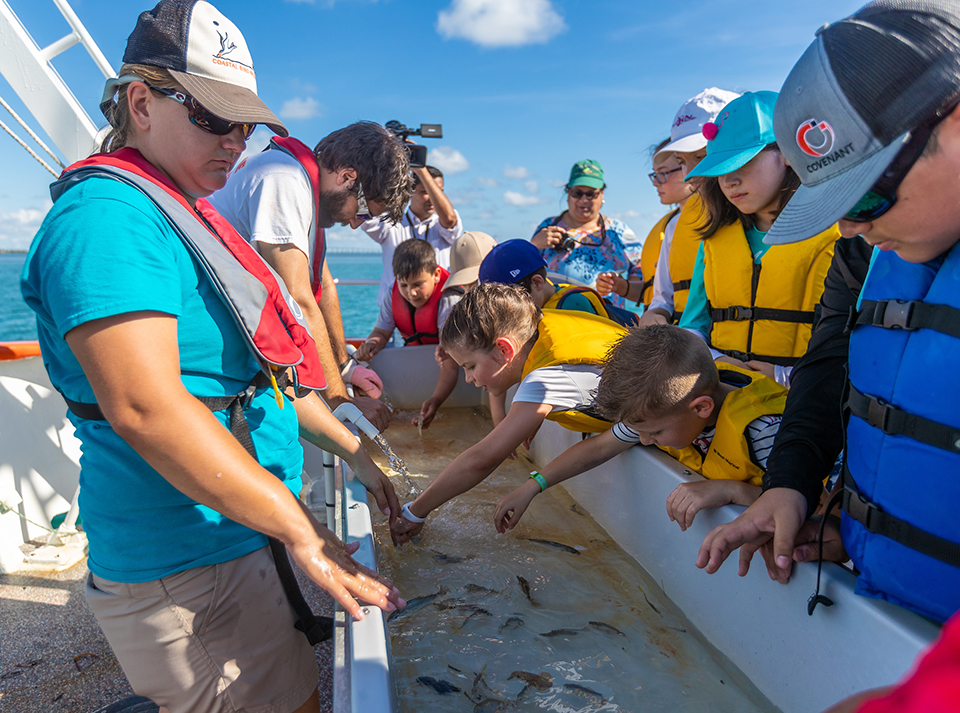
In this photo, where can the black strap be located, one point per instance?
(878, 522)
(912, 315)
(682, 285)
(315, 628)
(738, 313)
(897, 422)
(418, 336)
(751, 356)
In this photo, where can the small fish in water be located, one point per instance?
(478, 589)
(576, 508)
(541, 682)
(562, 632)
(481, 692)
(513, 622)
(525, 586)
(556, 545)
(438, 684)
(477, 612)
(420, 427)
(491, 705)
(649, 602)
(454, 668)
(414, 605)
(584, 691)
(606, 628)
(446, 559)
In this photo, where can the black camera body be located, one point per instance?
(417, 153)
(567, 242)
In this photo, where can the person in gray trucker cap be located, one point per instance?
(868, 117)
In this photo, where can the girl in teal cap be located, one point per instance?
(753, 303)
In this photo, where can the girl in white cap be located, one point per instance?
(151, 311)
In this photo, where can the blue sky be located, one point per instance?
(523, 88)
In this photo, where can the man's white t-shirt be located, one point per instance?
(269, 199)
(389, 236)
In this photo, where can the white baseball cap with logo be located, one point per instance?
(686, 132)
(205, 52)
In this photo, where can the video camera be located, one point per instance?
(418, 154)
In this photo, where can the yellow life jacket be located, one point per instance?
(683, 251)
(729, 455)
(764, 311)
(573, 337)
(651, 254)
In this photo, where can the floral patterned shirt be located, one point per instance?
(594, 253)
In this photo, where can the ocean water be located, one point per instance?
(358, 303)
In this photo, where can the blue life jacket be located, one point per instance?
(901, 523)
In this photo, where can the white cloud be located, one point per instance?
(447, 159)
(17, 228)
(500, 23)
(532, 187)
(556, 183)
(514, 198)
(300, 108)
(516, 172)
(340, 238)
(486, 182)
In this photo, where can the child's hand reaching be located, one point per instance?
(428, 410)
(511, 507)
(369, 349)
(688, 499)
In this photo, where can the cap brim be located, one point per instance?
(463, 277)
(694, 142)
(587, 181)
(815, 208)
(720, 163)
(230, 102)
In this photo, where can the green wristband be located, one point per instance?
(541, 481)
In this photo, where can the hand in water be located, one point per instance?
(403, 530)
(427, 411)
(510, 508)
(327, 561)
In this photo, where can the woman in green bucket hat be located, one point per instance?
(582, 244)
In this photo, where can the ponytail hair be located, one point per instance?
(489, 311)
(718, 212)
(118, 113)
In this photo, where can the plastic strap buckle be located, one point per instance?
(896, 315)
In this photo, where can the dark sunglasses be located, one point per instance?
(577, 195)
(202, 117)
(882, 197)
(658, 178)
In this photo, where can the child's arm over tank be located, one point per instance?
(473, 465)
(572, 462)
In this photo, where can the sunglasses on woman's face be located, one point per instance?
(589, 195)
(202, 117)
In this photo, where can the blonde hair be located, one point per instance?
(653, 372)
(487, 312)
(119, 113)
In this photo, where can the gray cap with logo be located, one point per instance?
(850, 102)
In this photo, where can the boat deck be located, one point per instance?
(55, 658)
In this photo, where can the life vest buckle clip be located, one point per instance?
(897, 314)
(741, 314)
(878, 415)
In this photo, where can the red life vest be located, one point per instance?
(418, 326)
(267, 316)
(300, 151)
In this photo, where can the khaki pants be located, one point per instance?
(214, 639)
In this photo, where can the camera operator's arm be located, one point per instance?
(442, 204)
